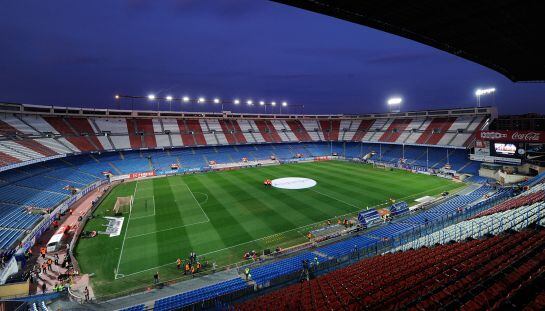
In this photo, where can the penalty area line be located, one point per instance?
(125, 235)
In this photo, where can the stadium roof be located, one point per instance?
(504, 35)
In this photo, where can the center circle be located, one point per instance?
(293, 183)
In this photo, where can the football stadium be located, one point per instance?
(129, 208)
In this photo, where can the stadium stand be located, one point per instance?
(32, 137)
(141, 307)
(443, 276)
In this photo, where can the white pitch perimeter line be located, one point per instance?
(207, 219)
(334, 198)
(167, 229)
(126, 230)
(266, 237)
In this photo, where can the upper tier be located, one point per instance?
(33, 133)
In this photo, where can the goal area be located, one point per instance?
(122, 205)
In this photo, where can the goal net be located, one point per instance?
(122, 205)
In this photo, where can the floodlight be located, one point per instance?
(394, 101)
(169, 98)
(261, 103)
(273, 104)
(216, 100)
(151, 97)
(201, 100)
(480, 92)
(249, 102)
(236, 101)
(116, 96)
(284, 104)
(185, 99)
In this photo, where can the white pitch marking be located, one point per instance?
(207, 219)
(126, 230)
(167, 229)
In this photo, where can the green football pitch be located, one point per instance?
(221, 215)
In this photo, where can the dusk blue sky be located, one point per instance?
(81, 53)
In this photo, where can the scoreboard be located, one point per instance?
(504, 146)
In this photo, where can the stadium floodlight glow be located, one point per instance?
(261, 103)
(151, 97)
(480, 92)
(273, 104)
(116, 96)
(201, 100)
(185, 99)
(394, 101)
(169, 98)
(216, 100)
(249, 102)
(236, 101)
(284, 104)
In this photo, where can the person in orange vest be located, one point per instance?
(42, 251)
(199, 266)
(193, 271)
(178, 263)
(186, 268)
(309, 235)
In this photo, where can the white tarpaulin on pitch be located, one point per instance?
(293, 183)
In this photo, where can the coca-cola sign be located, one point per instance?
(513, 136)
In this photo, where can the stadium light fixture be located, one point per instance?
(395, 101)
(249, 102)
(116, 96)
(216, 100)
(168, 98)
(236, 101)
(261, 103)
(273, 104)
(394, 104)
(284, 104)
(201, 100)
(185, 99)
(481, 92)
(151, 97)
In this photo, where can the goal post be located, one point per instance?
(122, 205)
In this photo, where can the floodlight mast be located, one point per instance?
(481, 92)
(394, 102)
